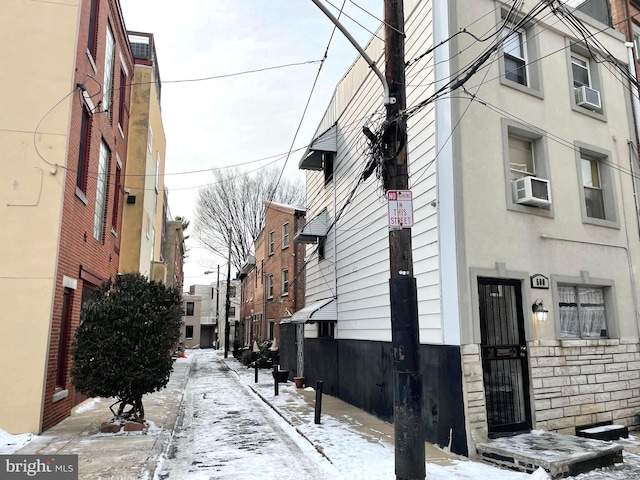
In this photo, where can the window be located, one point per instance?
(101, 192)
(521, 157)
(515, 62)
(321, 248)
(585, 73)
(232, 311)
(190, 307)
(150, 139)
(188, 331)
(326, 329)
(109, 60)
(597, 189)
(327, 166)
(519, 68)
(285, 235)
(157, 172)
(271, 242)
(285, 282)
(270, 286)
(232, 291)
(116, 197)
(636, 40)
(83, 155)
(580, 71)
(582, 311)
(92, 39)
(122, 97)
(272, 327)
(65, 335)
(525, 153)
(594, 200)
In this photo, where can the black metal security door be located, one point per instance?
(504, 356)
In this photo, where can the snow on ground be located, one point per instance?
(10, 443)
(219, 430)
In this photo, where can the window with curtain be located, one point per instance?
(582, 311)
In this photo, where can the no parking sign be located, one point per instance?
(400, 205)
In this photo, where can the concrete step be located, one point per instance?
(603, 431)
(560, 455)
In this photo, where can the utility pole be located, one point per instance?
(405, 341)
(227, 304)
(218, 307)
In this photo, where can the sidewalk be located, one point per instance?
(121, 456)
(133, 455)
(297, 407)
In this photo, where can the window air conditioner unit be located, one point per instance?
(588, 98)
(531, 191)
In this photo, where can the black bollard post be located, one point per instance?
(256, 373)
(275, 379)
(318, 401)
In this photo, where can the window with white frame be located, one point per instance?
(586, 82)
(582, 311)
(525, 154)
(597, 189)
(515, 59)
(188, 333)
(636, 40)
(519, 68)
(285, 235)
(101, 192)
(285, 282)
(580, 71)
(109, 61)
(270, 286)
(272, 242)
(521, 157)
(593, 195)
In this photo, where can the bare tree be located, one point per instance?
(235, 202)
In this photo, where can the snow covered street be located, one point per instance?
(225, 431)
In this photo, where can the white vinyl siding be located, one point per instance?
(361, 233)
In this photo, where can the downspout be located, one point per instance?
(335, 236)
(636, 115)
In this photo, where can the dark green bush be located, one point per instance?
(123, 345)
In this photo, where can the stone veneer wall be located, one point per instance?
(476, 412)
(573, 383)
(581, 382)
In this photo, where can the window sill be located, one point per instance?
(534, 92)
(285, 294)
(80, 194)
(542, 212)
(114, 233)
(59, 395)
(596, 114)
(600, 222)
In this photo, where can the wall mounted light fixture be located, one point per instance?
(539, 311)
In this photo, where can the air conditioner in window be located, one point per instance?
(588, 98)
(532, 191)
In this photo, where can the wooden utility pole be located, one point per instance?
(405, 341)
(227, 303)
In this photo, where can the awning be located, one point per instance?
(326, 142)
(314, 230)
(321, 311)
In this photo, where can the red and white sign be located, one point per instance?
(400, 204)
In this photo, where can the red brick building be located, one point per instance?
(89, 246)
(272, 281)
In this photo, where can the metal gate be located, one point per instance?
(504, 356)
(300, 349)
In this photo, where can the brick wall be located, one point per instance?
(79, 251)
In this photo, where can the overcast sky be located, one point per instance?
(242, 118)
